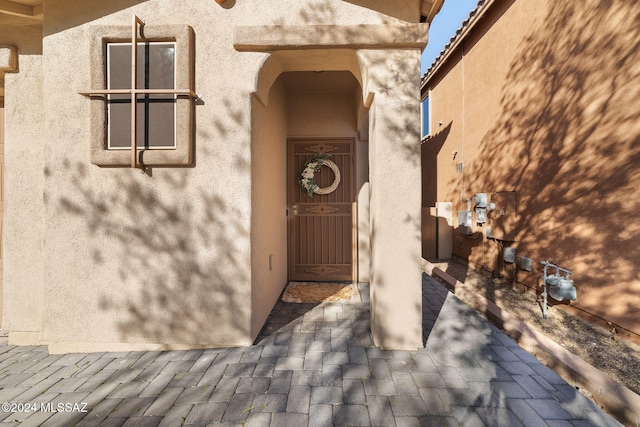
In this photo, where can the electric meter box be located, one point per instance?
(480, 200)
(465, 222)
(509, 255)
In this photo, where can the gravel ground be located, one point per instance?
(617, 357)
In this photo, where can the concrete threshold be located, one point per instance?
(611, 396)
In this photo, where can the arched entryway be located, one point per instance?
(322, 121)
(296, 236)
(386, 115)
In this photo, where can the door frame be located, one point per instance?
(353, 202)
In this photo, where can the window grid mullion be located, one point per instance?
(134, 94)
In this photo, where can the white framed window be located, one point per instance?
(156, 113)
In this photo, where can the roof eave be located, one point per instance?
(467, 26)
(21, 10)
(429, 8)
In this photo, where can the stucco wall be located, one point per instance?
(111, 258)
(362, 190)
(550, 104)
(394, 159)
(325, 111)
(269, 201)
(147, 259)
(24, 211)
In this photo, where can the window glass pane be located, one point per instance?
(119, 66)
(159, 60)
(119, 117)
(155, 112)
(425, 117)
(155, 118)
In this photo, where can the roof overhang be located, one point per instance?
(429, 8)
(18, 10)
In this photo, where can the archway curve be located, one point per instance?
(279, 62)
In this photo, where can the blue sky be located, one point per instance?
(444, 25)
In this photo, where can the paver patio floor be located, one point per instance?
(313, 364)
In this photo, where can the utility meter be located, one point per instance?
(480, 200)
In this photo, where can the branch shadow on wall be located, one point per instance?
(569, 143)
(571, 149)
(178, 253)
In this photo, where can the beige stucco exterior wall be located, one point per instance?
(362, 190)
(269, 200)
(394, 159)
(113, 259)
(23, 238)
(550, 111)
(162, 260)
(446, 139)
(313, 114)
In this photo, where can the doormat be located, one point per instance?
(317, 292)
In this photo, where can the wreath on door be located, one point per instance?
(313, 165)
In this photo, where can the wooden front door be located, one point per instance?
(320, 227)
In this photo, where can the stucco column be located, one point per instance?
(393, 77)
(23, 233)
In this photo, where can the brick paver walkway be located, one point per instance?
(312, 365)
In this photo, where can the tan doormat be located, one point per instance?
(301, 292)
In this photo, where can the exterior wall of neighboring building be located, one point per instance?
(542, 100)
(101, 258)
